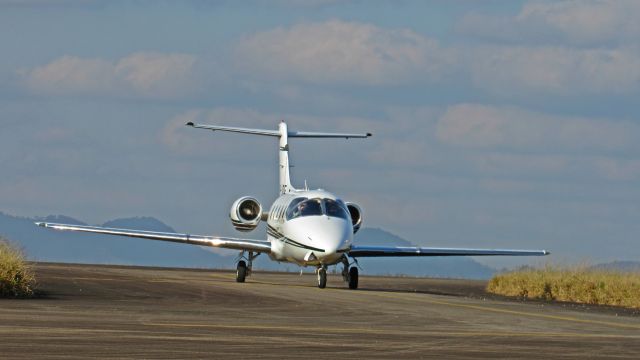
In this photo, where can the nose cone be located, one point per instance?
(332, 235)
(329, 234)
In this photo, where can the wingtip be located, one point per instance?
(545, 252)
(41, 224)
(369, 134)
(190, 123)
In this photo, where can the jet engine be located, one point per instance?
(245, 214)
(356, 216)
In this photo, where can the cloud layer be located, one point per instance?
(485, 126)
(340, 52)
(350, 53)
(146, 74)
(582, 23)
(506, 70)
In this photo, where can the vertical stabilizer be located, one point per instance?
(285, 178)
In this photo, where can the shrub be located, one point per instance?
(579, 285)
(16, 276)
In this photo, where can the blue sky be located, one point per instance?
(496, 124)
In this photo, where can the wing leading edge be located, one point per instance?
(262, 246)
(384, 251)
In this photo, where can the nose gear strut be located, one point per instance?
(322, 276)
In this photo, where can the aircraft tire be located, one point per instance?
(353, 278)
(241, 271)
(322, 278)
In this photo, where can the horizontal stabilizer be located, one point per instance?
(385, 251)
(320, 135)
(235, 129)
(291, 134)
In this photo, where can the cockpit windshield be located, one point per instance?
(336, 208)
(317, 207)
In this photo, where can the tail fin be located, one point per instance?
(283, 133)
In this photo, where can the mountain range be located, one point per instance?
(41, 244)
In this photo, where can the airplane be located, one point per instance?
(305, 227)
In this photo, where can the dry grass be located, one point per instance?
(16, 276)
(579, 285)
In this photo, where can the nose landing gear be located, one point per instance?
(322, 277)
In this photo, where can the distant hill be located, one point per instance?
(145, 223)
(46, 245)
(41, 244)
(448, 267)
(624, 266)
(379, 237)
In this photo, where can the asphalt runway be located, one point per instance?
(124, 312)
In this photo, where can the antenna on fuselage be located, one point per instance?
(284, 134)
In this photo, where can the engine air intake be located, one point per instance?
(245, 213)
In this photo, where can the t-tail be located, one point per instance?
(284, 134)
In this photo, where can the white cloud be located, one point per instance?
(618, 169)
(310, 3)
(341, 52)
(483, 126)
(154, 74)
(505, 70)
(508, 163)
(556, 48)
(589, 22)
(144, 74)
(70, 74)
(501, 166)
(45, 3)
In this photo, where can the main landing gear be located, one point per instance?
(244, 267)
(353, 278)
(241, 271)
(350, 274)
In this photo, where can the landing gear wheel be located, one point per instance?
(322, 278)
(353, 278)
(241, 271)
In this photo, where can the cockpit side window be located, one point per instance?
(336, 208)
(293, 211)
(304, 207)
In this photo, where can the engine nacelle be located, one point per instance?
(356, 216)
(245, 214)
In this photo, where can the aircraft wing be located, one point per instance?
(382, 251)
(262, 246)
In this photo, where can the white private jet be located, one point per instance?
(305, 227)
